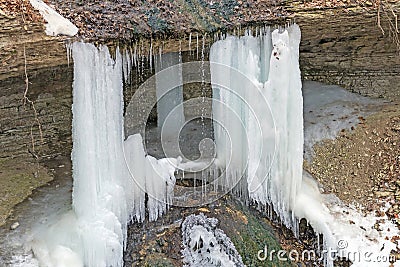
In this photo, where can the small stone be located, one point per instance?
(383, 194)
(14, 226)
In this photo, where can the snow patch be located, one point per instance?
(56, 24)
(206, 245)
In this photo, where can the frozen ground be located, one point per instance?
(328, 109)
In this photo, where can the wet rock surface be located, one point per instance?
(18, 178)
(345, 47)
(24, 45)
(23, 144)
(341, 43)
(160, 243)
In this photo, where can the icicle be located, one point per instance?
(135, 55)
(197, 45)
(142, 65)
(180, 51)
(126, 65)
(159, 58)
(190, 43)
(151, 176)
(151, 56)
(68, 47)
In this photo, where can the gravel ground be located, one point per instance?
(362, 166)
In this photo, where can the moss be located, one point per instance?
(155, 22)
(249, 231)
(158, 261)
(18, 178)
(252, 237)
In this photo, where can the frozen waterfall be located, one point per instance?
(257, 114)
(111, 176)
(258, 126)
(102, 195)
(170, 96)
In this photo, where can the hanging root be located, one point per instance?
(26, 100)
(387, 13)
(379, 18)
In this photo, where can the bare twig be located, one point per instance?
(25, 100)
(379, 17)
(395, 19)
(22, 12)
(391, 18)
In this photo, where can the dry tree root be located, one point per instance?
(26, 100)
(385, 10)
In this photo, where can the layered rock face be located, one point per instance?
(346, 47)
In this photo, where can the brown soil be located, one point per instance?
(363, 166)
(122, 19)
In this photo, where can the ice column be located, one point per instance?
(257, 78)
(102, 190)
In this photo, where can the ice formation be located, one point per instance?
(264, 146)
(151, 176)
(206, 245)
(258, 114)
(111, 176)
(258, 125)
(56, 24)
(102, 195)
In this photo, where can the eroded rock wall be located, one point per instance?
(19, 37)
(50, 90)
(346, 47)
